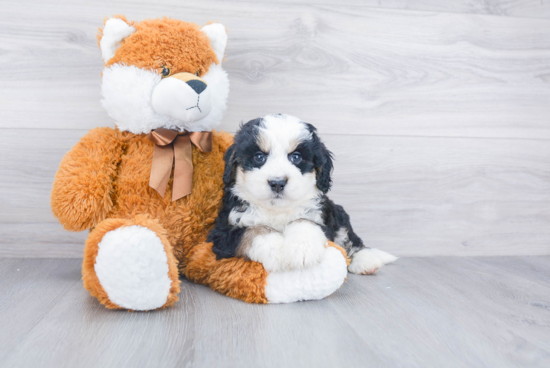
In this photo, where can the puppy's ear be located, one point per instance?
(322, 160)
(230, 166)
(324, 171)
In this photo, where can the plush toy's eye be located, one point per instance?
(198, 73)
(295, 157)
(260, 157)
(165, 71)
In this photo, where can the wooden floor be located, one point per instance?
(418, 312)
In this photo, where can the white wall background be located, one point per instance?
(438, 111)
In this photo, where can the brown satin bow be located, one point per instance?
(172, 147)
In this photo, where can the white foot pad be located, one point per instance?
(313, 283)
(132, 267)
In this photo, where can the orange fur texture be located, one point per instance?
(171, 43)
(103, 182)
(81, 195)
(106, 175)
(234, 277)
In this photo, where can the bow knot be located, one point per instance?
(174, 148)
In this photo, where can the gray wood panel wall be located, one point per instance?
(438, 112)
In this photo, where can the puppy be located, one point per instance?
(275, 210)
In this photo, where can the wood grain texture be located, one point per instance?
(28, 162)
(445, 196)
(488, 315)
(439, 117)
(428, 312)
(347, 69)
(29, 291)
(516, 8)
(413, 196)
(530, 267)
(40, 240)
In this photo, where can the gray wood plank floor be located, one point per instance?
(418, 312)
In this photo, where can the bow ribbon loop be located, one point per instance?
(174, 149)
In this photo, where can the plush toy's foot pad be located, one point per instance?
(134, 269)
(309, 284)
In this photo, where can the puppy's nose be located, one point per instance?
(197, 85)
(277, 185)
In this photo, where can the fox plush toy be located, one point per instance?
(149, 190)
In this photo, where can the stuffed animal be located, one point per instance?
(149, 190)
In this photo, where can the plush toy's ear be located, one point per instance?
(218, 38)
(114, 32)
(230, 166)
(322, 160)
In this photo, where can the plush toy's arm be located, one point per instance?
(248, 280)
(81, 194)
(234, 277)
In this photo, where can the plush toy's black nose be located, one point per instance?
(197, 85)
(277, 185)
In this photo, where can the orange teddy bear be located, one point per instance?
(150, 190)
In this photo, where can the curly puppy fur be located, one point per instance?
(275, 209)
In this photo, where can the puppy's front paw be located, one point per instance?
(266, 249)
(304, 245)
(365, 262)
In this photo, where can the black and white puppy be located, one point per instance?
(275, 210)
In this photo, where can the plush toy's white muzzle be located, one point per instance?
(182, 97)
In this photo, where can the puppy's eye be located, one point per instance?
(295, 158)
(165, 71)
(260, 157)
(198, 73)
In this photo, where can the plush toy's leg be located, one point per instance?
(248, 280)
(234, 277)
(129, 264)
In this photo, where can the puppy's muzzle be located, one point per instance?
(277, 185)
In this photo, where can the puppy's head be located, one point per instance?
(277, 161)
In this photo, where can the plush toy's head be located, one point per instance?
(163, 73)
